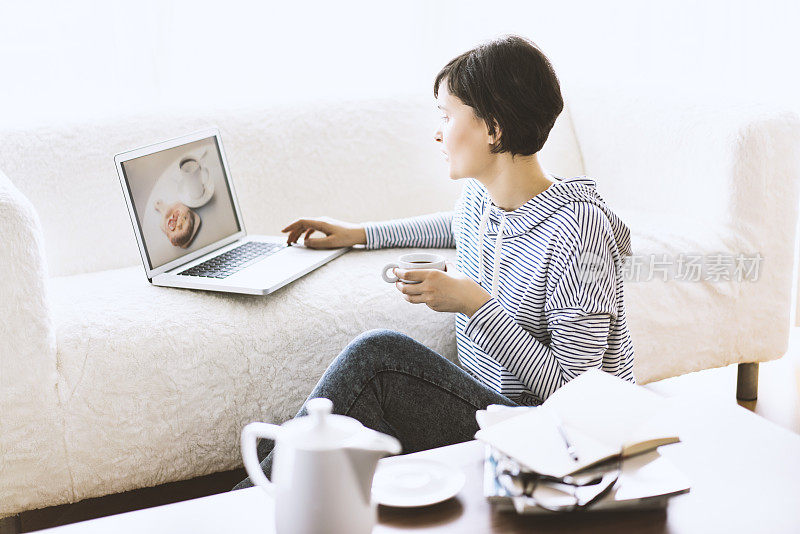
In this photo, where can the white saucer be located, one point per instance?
(409, 482)
(208, 192)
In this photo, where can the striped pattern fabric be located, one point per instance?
(557, 300)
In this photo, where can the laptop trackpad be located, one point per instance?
(285, 264)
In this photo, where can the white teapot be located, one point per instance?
(322, 470)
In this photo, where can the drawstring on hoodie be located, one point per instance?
(498, 245)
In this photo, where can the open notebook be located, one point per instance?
(601, 415)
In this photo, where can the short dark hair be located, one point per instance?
(507, 81)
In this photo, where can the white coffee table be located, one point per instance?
(744, 471)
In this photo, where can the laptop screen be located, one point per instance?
(181, 199)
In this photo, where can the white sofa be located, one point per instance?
(109, 383)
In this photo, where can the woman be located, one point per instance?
(550, 308)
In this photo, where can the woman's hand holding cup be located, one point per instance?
(338, 234)
(428, 279)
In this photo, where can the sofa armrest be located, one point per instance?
(765, 189)
(33, 466)
(716, 159)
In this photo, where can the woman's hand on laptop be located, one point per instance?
(338, 234)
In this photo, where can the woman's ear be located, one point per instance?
(493, 138)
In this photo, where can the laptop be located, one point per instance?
(188, 225)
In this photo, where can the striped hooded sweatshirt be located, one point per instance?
(553, 269)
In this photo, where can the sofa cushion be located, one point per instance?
(151, 372)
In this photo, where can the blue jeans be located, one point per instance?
(400, 387)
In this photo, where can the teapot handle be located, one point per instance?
(250, 434)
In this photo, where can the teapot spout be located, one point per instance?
(364, 454)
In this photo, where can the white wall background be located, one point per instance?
(87, 58)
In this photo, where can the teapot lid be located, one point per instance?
(320, 429)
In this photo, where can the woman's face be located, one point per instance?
(465, 139)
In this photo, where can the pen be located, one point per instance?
(570, 448)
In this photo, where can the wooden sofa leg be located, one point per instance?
(10, 525)
(747, 381)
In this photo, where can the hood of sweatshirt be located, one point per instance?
(525, 218)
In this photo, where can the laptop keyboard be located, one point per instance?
(233, 260)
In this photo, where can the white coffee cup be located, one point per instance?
(191, 183)
(416, 260)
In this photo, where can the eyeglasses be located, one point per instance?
(567, 494)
